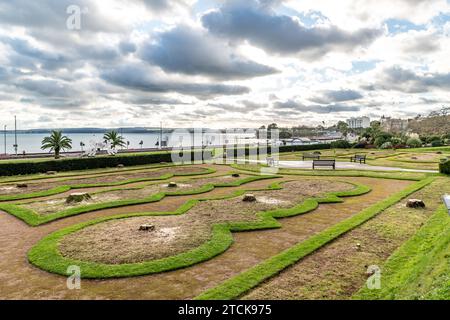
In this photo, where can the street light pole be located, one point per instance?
(5, 138)
(15, 135)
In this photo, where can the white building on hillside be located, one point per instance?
(360, 122)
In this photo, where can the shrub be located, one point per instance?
(414, 143)
(437, 143)
(360, 144)
(386, 145)
(444, 166)
(341, 144)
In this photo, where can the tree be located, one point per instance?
(285, 134)
(414, 143)
(141, 143)
(114, 139)
(342, 127)
(56, 142)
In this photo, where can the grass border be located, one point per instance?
(245, 281)
(45, 253)
(65, 188)
(34, 219)
(396, 175)
(405, 266)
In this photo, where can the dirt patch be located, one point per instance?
(108, 178)
(55, 205)
(338, 270)
(120, 241)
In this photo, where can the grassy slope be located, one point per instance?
(45, 254)
(238, 285)
(420, 268)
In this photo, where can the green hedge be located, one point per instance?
(30, 167)
(444, 167)
(234, 152)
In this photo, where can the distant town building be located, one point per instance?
(359, 122)
(393, 125)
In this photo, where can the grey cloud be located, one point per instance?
(162, 5)
(399, 79)
(51, 14)
(138, 78)
(193, 52)
(127, 47)
(331, 96)
(280, 33)
(299, 107)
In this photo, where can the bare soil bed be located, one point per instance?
(422, 157)
(12, 189)
(55, 205)
(121, 241)
(339, 269)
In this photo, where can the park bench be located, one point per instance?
(271, 161)
(446, 199)
(310, 156)
(358, 158)
(324, 163)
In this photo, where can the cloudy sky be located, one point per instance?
(220, 63)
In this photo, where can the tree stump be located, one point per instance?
(146, 227)
(249, 198)
(235, 175)
(77, 197)
(172, 185)
(22, 185)
(415, 203)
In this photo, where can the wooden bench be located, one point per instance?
(324, 163)
(310, 156)
(358, 158)
(271, 161)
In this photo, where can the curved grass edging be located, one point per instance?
(34, 219)
(396, 175)
(45, 253)
(245, 281)
(406, 265)
(65, 188)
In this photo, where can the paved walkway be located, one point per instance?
(342, 166)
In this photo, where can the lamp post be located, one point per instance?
(5, 138)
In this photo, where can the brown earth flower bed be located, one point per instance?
(120, 241)
(12, 189)
(55, 205)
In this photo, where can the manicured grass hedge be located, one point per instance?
(45, 253)
(65, 188)
(34, 219)
(243, 282)
(30, 167)
(444, 167)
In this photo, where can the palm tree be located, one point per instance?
(141, 143)
(114, 138)
(56, 142)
